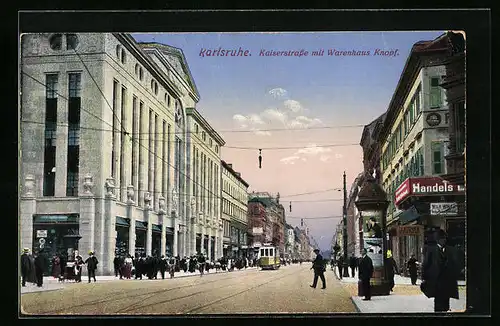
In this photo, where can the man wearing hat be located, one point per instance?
(91, 263)
(365, 272)
(319, 269)
(440, 273)
(25, 266)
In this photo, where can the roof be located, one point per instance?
(204, 123)
(176, 60)
(234, 173)
(414, 63)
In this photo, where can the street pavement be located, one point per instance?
(285, 290)
(406, 298)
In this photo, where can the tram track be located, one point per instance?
(137, 306)
(201, 307)
(124, 295)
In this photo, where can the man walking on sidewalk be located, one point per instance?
(353, 262)
(319, 269)
(340, 265)
(91, 263)
(440, 273)
(365, 272)
(412, 269)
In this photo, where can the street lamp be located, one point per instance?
(372, 204)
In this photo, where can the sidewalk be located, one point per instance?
(51, 284)
(397, 303)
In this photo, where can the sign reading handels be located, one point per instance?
(425, 186)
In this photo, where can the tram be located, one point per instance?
(269, 257)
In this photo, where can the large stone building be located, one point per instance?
(204, 186)
(234, 211)
(354, 225)
(104, 146)
(414, 139)
(266, 220)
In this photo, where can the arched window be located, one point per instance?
(118, 51)
(210, 142)
(178, 113)
(196, 128)
(71, 41)
(56, 42)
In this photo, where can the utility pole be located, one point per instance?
(344, 215)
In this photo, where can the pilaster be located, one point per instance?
(27, 210)
(87, 217)
(110, 234)
(149, 232)
(131, 217)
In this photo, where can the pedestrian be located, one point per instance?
(201, 262)
(56, 267)
(353, 263)
(77, 267)
(91, 263)
(25, 266)
(163, 266)
(172, 267)
(319, 269)
(39, 268)
(116, 266)
(332, 264)
(127, 268)
(440, 273)
(391, 269)
(365, 272)
(340, 265)
(412, 269)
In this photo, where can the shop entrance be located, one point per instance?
(55, 235)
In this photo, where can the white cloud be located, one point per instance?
(278, 92)
(289, 159)
(304, 122)
(324, 158)
(275, 115)
(293, 106)
(313, 150)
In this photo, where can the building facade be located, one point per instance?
(414, 140)
(204, 187)
(103, 146)
(290, 241)
(235, 210)
(354, 236)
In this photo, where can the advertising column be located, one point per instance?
(373, 242)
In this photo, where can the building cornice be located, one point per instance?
(205, 125)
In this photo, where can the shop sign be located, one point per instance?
(244, 247)
(425, 186)
(444, 209)
(410, 230)
(41, 233)
(257, 244)
(257, 231)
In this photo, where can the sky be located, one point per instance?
(305, 112)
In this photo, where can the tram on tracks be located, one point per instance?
(269, 257)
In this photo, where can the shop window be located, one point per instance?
(437, 157)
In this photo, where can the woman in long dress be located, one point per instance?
(128, 267)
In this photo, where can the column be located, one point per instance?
(209, 249)
(192, 247)
(87, 217)
(158, 158)
(130, 215)
(162, 217)
(110, 231)
(202, 231)
(149, 232)
(27, 209)
(216, 239)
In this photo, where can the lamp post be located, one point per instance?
(344, 233)
(372, 204)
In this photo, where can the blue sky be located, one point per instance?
(334, 90)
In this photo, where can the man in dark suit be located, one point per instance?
(25, 266)
(365, 272)
(319, 269)
(440, 273)
(91, 263)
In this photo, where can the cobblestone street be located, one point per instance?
(252, 291)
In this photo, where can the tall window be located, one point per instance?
(73, 133)
(156, 173)
(437, 157)
(141, 139)
(412, 112)
(133, 174)
(435, 93)
(113, 127)
(51, 82)
(417, 101)
(150, 152)
(163, 160)
(122, 124)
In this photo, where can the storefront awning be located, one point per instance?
(121, 221)
(156, 228)
(169, 231)
(414, 212)
(139, 225)
(51, 219)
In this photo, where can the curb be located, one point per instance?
(355, 305)
(44, 290)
